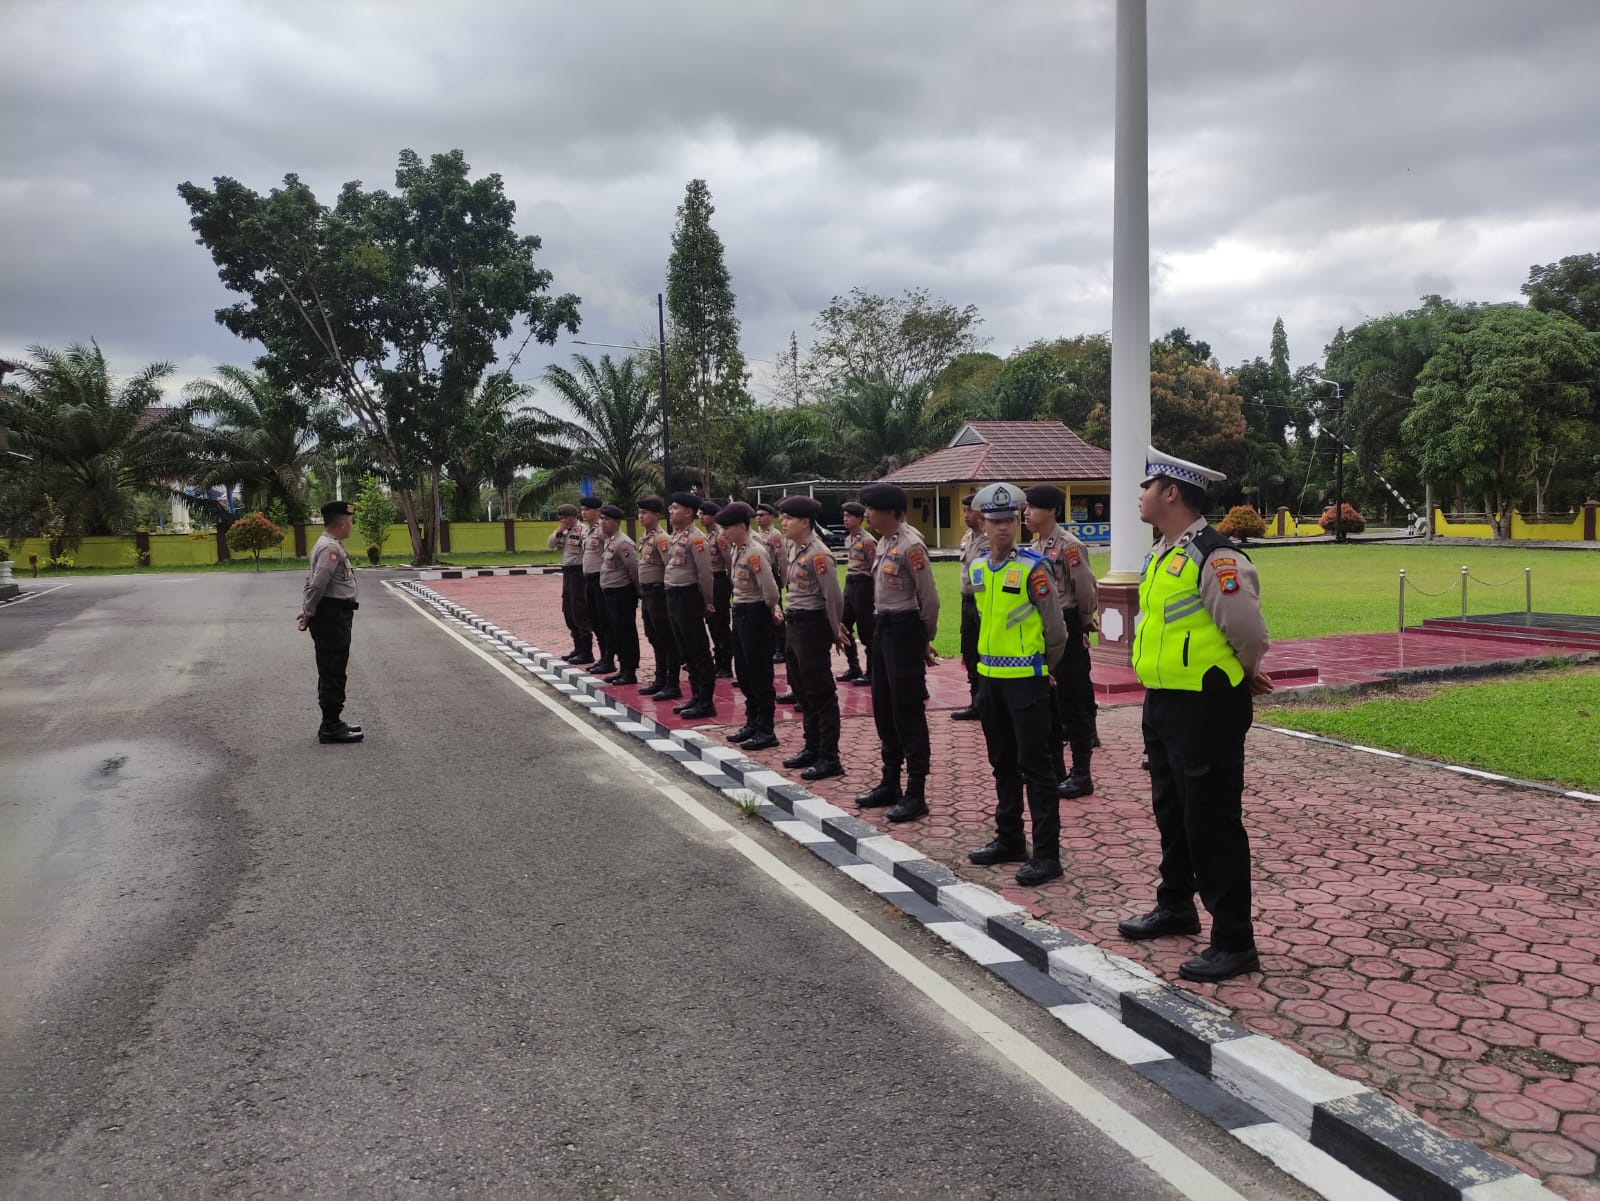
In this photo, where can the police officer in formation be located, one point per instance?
(1021, 637)
(327, 609)
(568, 537)
(906, 611)
(619, 586)
(718, 621)
(594, 550)
(860, 551)
(690, 600)
(772, 537)
(1197, 650)
(1079, 596)
(755, 613)
(974, 545)
(653, 545)
(816, 608)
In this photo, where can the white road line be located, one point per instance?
(35, 595)
(1168, 1162)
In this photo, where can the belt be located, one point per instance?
(897, 615)
(806, 615)
(749, 606)
(578, 567)
(651, 587)
(682, 587)
(1011, 660)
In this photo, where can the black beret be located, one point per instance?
(736, 513)
(888, 497)
(687, 499)
(966, 501)
(567, 511)
(612, 511)
(710, 507)
(764, 507)
(651, 504)
(1045, 496)
(855, 508)
(589, 502)
(338, 508)
(800, 506)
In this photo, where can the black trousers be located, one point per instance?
(595, 603)
(811, 678)
(1075, 693)
(686, 609)
(900, 691)
(1016, 728)
(658, 629)
(1195, 741)
(575, 606)
(717, 621)
(330, 634)
(622, 626)
(858, 616)
(752, 661)
(969, 643)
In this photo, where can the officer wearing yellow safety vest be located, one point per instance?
(1021, 636)
(1197, 651)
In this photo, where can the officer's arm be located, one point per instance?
(869, 552)
(555, 538)
(927, 591)
(1231, 593)
(832, 594)
(701, 549)
(1042, 592)
(760, 567)
(317, 581)
(630, 563)
(1085, 589)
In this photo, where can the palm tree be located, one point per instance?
(262, 437)
(887, 424)
(96, 442)
(617, 434)
(494, 442)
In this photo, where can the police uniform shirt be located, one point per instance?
(860, 548)
(974, 546)
(569, 541)
(777, 555)
(1231, 593)
(1075, 581)
(903, 578)
(330, 574)
(689, 561)
(594, 547)
(653, 555)
(814, 580)
(752, 575)
(619, 564)
(1003, 586)
(719, 550)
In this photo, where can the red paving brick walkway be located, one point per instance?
(1432, 935)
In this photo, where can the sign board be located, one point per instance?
(1091, 531)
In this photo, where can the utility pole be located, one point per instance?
(1338, 465)
(661, 354)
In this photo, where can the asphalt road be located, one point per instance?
(475, 955)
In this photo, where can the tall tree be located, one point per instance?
(885, 424)
(616, 439)
(394, 302)
(706, 366)
(906, 340)
(1195, 411)
(497, 438)
(1499, 402)
(1571, 286)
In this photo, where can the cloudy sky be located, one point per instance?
(1322, 160)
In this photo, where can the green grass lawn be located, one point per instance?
(273, 562)
(1536, 727)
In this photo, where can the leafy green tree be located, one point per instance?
(393, 302)
(1195, 410)
(496, 440)
(1571, 286)
(906, 340)
(1032, 384)
(705, 366)
(375, 512)
(254, 533)
(885, 424)
(1497, 402)
(616, 438)
(968, 382)
(96, 442)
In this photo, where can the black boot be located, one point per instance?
(337, 731)
(653, 687)
(761, 740)
(999, 850)
(854, 664)
(826, 767)
(745, 731)
(669, 690)
(886, 792)
(1078, 782)
(702, 705)
(864, 680)
(970, 713)
(805, 757)
(605, 667)
(915, 802)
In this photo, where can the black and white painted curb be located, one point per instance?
(1339, 1137)
(471, 573)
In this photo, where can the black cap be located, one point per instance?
(651, 504)
(589, 502)
(966, 501)
(567, 511)
(800, 506)
(612, 511)
(736, 513)
(1045, 496)
(688, 500)
(888, 497)
(338, 508)
(855, 508)
(710, 507)
(764, 507)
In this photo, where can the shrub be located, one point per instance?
(60, 563)
(253, 533)
(1243, 523)
(374, 553)
(33, 564)
(1352, 521)
(375, 512)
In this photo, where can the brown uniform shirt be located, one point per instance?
(776, 551)
(814, 580)
(329, 574)
(753, 576)
(1236, 610)
(569, 541)
(619, 564)
(594, 547)
(903, 578)
(653, 555)
(974, 545)
(689, 561)
(860, 548)
(719, 549)
(1075, 582)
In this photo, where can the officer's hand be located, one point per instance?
(932, 655)
(300, 620)
(711, 607)
(843, 637)
(1260, 685)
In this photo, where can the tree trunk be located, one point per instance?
(419, 539)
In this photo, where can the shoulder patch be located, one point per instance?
(918, 558)
(699, 542)
(1227, 571)
(1074, 556)
(1040, 582)
(819, 563)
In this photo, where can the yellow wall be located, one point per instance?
(1555, 531)
(950, 535)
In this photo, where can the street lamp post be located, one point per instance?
(1338, 468)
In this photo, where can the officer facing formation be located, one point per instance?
(906, 608)
(594, 550)
(755, 612)
(1197, 650)
(722, 592)
(567, 537)
(653, 545)
(1021, 637)
(974, 545)
(1079, 596)
(689, 602)
(619, 586)
(816, 607)
(327, 609)
(860, 550)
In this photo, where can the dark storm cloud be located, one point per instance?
(1323, 162)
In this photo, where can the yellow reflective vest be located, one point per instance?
(1176, 642)
(1011, 641)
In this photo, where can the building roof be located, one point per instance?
(1008, 450)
